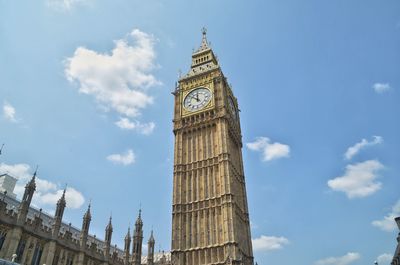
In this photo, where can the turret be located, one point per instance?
(27, 199)
(150, 253)
(61, 204)
(109, 230)
(127, 246)
(87, 217)
(137, 240)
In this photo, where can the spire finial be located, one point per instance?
(204, 31)
(1, 149)
(204, 42)
(88, 209)
(35, 173)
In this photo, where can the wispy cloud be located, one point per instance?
(125, 159)
(47, 193)
(65, 5)
(269, 243)
(381, 87)
(359, 180)
(143, 128)
(118, 81)
(270, 151)
(355, 149)
(387, 223)
(343, 260)
(9, 112)
(384, 259)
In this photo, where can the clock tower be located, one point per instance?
(210, 217)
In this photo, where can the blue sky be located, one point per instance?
(85, 94)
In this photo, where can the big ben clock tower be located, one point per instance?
(210, 217)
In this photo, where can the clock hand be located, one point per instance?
(193, 97)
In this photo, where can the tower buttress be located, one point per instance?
(137, 240)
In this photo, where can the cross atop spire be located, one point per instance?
(204, 43)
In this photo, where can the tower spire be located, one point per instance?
(87, 217)
(137, 240)
(61, 204)
(109, 230)
(150, 249)
(127, 245)
(204, 43)
(30, 188)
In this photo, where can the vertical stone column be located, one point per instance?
(80, 259)
(11, 243)
(49, 251)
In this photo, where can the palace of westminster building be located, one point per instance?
(210, 217)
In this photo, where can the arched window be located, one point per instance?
(3, 235)
(20, 250)
(37, 255)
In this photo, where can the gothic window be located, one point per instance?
(69, 259)
(56, 258)
(20, 250)
(37, 255)
(3, 235)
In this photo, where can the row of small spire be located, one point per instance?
(30, 188)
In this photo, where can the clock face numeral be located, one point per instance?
(197, 99)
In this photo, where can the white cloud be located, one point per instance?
(9, 112)
(270, 151)
(387, 223)
(125, 159)
(118, 81)
(47, 192)
(143, 128)
(343, 260)
(384, 259)
(269, 243)
(353, 150)
(73, 198)
(359, 180)
(381, 87)
(65, 4)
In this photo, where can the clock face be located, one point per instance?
(197, 99)
(232, 108)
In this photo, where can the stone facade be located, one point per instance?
(210, 217)
(396, 256)
(37, 238)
